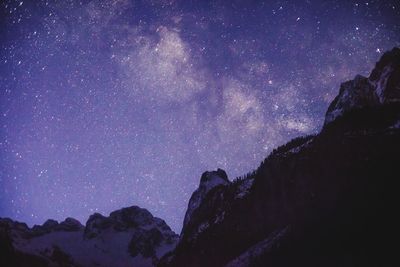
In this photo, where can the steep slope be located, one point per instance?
(208, 181)
(128, 237)
(324, 200)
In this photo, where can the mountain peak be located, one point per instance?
(381, 87)
(385, 77)
(123, 219)
(68, 225)
(208, 181)
(211, 177)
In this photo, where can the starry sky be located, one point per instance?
(107, 104)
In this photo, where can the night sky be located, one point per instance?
(107, 104)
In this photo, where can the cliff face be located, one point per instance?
(128, 237)
(208, 181)
(324, 200)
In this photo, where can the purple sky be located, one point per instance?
(106, 104)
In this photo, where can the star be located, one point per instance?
(109, 104)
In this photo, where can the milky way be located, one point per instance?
(106, 104)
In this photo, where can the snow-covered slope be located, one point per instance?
(382, 86)
(128, 237)
(247, 258)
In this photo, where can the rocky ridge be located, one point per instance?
(128, 237)
(381, 87)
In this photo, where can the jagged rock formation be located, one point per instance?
(128, 237)
(324, 200)
(381, 87)
(208, 181)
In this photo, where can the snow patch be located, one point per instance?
(333, 115)
(380, 85)
(244, 188)
(108, 249)
(111, 245)
(246, 258)
(220, 217)
(297, 149)
(396, 125)
(201, 228)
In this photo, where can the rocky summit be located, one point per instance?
(382, 87)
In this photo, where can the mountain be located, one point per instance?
(208, 181)
(127, 237)
(382, 87)
(322, 200)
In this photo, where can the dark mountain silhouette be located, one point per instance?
(324, 200)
